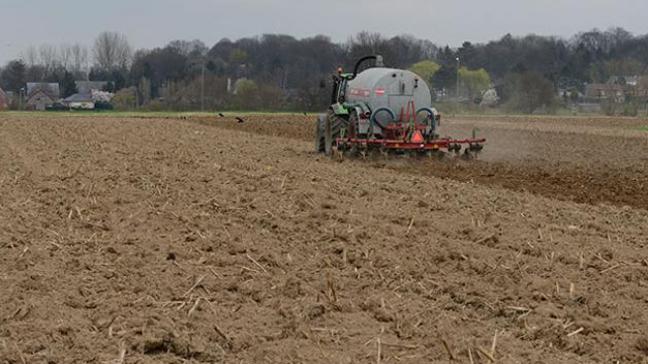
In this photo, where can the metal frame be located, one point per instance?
(473, 144)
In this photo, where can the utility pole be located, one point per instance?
(202, 88)
(458, 65)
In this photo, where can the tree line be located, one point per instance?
(281, 72)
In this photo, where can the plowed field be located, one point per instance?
(208, 241)
(595, 160)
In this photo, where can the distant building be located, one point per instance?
(632, 80)
(52, 89)
(40, 96)
(40, 100)
(89, 100)
(80, 101)
(87, 87)
(640, 89)
(624, 80)
(489, 98)
(597, 92)
(634, 86)
(4, 102)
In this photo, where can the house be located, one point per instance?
(51, 89)
(40, 96)
(80, 101)
(489, 98)
(4, 102)
(635, 87)
(89, 100)
(597, 92)
(632, 80)
(624, 80)
(40, 100)
(87, 87)
(640, 89)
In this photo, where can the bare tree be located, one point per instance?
(79, 59)
(367, 41)
(30, 56)
(48, 57)
(65, 56)
(112, 50)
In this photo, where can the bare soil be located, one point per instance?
(206, 241)
(586, 160)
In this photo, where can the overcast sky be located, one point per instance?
(150, 23)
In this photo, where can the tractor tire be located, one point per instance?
(332, 130)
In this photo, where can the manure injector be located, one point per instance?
(384, 110)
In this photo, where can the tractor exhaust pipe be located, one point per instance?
(379, 63)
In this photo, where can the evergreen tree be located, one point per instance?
(68, 86)
(12, 77)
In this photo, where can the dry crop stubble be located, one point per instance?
(157, 240)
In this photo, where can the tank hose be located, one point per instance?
(432, 116)
(373, 120)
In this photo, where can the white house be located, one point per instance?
(80, 101)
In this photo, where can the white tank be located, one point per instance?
(389, 87)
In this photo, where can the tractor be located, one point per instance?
(384, 110)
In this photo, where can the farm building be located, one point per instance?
(40, 100)
(82, 101)
(87, 87)
(3, 100)
(618, 89)
(42, 95)
(640, 90)
(624, 80)
(598, 92)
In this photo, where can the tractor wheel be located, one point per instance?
(332, 129)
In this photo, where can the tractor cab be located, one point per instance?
(341, 79)
(338, 97)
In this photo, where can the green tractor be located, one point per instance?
(384, 109)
